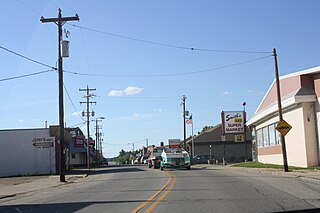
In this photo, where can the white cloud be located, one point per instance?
(77, 114)
(227, 93)
(21, 120)
(252, 92)
(157, 110)
(130, 90)
(115, 93)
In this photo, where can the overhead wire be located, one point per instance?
(26, 75)
(65, 88)
(167, 45)
(27, 58)
(168, 75)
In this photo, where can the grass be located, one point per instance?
(255, 164)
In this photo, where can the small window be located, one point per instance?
(73, 155)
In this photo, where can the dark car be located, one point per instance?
(201, 159)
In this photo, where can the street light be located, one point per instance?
(210, 153)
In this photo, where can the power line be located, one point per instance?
(27, 6)
(72, 102)
(26, 75)
(82, 123)
(27, 58)
(169, 75)
(168, 45)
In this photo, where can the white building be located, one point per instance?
(27, 152)
(300, 94)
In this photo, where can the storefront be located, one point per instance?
(300, 92)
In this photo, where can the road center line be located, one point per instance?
(148, 210)
(154, 195)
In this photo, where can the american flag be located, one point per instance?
(189, 120)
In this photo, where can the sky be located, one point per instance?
(142, 56)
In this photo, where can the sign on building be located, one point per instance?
(42, 142)
(174, 143)
(79, 141)
(232, 122)
(239, 138)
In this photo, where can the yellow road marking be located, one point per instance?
(148, 210)
(153, 196)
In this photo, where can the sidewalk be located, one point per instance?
(301, 173)
(13, 186)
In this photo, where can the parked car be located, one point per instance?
(201, 159)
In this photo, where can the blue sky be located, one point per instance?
(139, 84)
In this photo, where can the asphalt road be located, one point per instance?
(140, 189)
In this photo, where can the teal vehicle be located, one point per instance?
(175, 158)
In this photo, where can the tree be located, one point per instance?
(205, 128)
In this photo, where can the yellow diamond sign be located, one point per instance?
(283, 127)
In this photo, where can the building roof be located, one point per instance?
(210, 135)
(299, 95)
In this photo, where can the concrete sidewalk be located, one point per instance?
(13, 186)
(299, 173)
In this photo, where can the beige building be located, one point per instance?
(300, 94)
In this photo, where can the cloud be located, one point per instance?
(135, 117)
(157, 110)
(77, 114)
(252, 92)
(115, 93)
(130, 90)
(227, 93)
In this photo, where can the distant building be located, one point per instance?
(233, 149)
(300, 94)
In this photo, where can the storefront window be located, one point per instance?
(259, 138)
(265, 136)
(268, 136)
(272, 135)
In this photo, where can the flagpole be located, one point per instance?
(192, 140)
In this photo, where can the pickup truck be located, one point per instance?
(155, 158)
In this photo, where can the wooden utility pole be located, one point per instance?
(60, 21)
(282, 138)
(88, 113)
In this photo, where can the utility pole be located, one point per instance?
(88, 113)
(283, 143)
(184, 121)
(60, 21)
(100, 138)
(98, 144)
